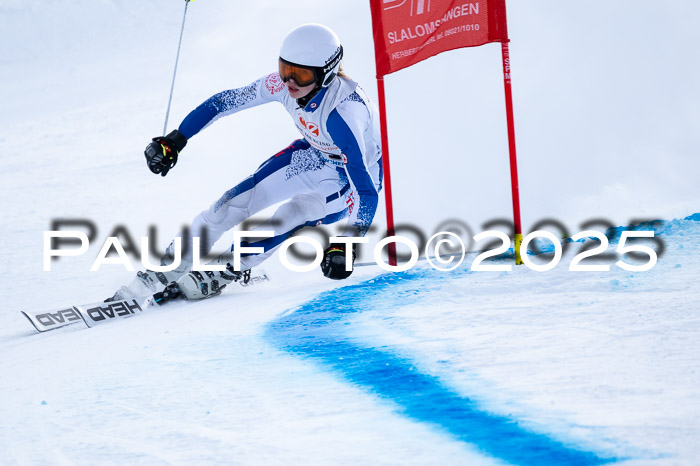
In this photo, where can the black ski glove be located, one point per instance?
(161, 154)
(333, 263)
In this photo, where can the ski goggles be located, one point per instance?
(306, 75)
(301, 75)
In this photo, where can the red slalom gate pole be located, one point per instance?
(387, 170)
(518, 239)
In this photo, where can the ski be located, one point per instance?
(90, 314)
(49, 320)
(99, 313)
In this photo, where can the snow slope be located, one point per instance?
(422, 367)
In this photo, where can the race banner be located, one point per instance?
(409, 31)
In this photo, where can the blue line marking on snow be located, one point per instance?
(317, 330)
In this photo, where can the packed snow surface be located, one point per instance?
(590, 367)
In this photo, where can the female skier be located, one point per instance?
(333, 172)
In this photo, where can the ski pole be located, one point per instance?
(177, 58)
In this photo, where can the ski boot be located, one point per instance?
(200, 285)
(149, 282)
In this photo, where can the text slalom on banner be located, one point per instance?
(408, 31)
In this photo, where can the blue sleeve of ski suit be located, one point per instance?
(348, 136)
(225, 103)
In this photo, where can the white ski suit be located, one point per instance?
(334, 172)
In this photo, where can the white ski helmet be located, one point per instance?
(310, 53)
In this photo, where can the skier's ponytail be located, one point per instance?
(341, 73)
